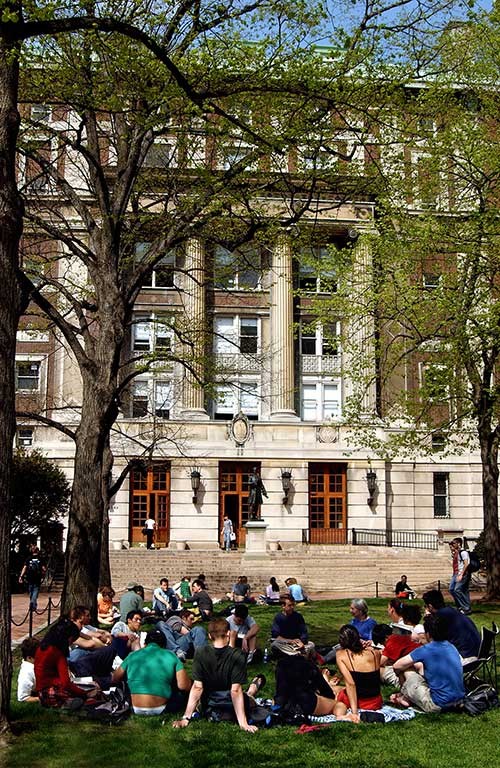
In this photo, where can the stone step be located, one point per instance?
(347, 569)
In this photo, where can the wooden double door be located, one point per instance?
(233, 495)
(150, 497)
(327, 503)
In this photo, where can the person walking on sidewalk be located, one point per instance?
(460, 580)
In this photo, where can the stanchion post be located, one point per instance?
(376, 589)
(30, 629)
(439, 584)
(49, 606)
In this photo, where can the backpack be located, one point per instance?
(480, 700)
(114, 711)
(474, 562)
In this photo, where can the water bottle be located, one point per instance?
(266, 655)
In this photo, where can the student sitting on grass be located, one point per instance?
(360, 668)
(432, 673)
(26, 682)
(220, 669)
(55, 688)
(155, 676)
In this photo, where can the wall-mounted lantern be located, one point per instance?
(286, 481)
(371, 482)
(195, 482)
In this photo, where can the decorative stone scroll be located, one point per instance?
(240, 429)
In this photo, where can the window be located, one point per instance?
(236, 334)
(160, 155)
(431, 280)
(152, 334)
(434, 384)
(438, 442)
(321, 401)
(237, 270)
(316, 270)
(27, 376)
(316, 339)
(151, 397)
(40, 113)
(441, 496)
(37, 177)
(24, 437)
(232, 398)
(163, 274)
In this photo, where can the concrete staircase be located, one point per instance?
(337, 570)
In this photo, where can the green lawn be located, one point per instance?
(50, 740)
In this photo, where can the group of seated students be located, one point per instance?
(422, 661)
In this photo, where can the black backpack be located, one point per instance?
(474, 562)
(480, 700)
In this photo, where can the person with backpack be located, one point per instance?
(33, 572)
(460, 580)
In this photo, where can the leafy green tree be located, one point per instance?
(40, 494)
(201, 52)
(431, 300)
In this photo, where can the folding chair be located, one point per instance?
(484, 668)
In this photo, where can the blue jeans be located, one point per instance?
(459, 590)
(227, 543)
(33, 590)
(195, 638)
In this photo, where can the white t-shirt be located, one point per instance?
(241, 629)
(463, 560)
(26, 683)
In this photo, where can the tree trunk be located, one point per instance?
(489, 459)
(105, 567)
(11, 307)
(83, 547)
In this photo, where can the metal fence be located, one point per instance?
(32, 612)
(405, 539)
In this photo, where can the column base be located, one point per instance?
(284, 415)
(195, 414)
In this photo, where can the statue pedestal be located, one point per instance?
(255, 540)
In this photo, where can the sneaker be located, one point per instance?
(250, 656)
(181, 655)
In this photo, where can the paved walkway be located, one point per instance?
(20, 614)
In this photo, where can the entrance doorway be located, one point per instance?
(233, 495)
(327, 503)
(150, 497)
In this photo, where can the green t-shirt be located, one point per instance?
(152, 670)
(219, 668)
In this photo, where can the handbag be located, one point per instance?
(144, 530)
(232, 536)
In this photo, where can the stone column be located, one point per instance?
(362, 330)
(193, 405)
(282, 356)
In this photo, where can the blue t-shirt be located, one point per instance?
(442, 671)
(296, 592)
(364, 627)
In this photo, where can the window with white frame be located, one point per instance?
(28, 375)
(24, 437)
(239, 269)
(316, 270)
(151, 397)
(163, 274)
(230, 399)
(440, 481)
(236, 334)
(318, 339)
(321, 401)
(41, 113)
(431, 280)
(152, 334)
